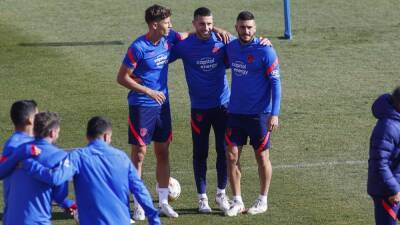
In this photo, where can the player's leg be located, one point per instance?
(162, 138)
(235, 137)
(218, 122)
(200, 123)
(385, 213)
(259, 138)
(141, 126)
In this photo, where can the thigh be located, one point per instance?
(163, 126)
(235, 134)
(257, 128)
(142, 121)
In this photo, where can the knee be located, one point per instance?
(231, 157)
(139, 154)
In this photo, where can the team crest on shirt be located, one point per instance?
(143, 132)
(166, 45)
(215, 49)
(250, 58)
(199, 117)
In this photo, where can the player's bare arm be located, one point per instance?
(125, 79)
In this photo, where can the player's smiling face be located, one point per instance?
(163, 26)
(246, 30)
(203, 26)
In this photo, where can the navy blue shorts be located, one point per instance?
(240, 127)
(202, 120)
(148, 124)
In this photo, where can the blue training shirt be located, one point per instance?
(256, 85)
(17, 138)
(204, 64)
(149, 62)
(103, 178)
(29, 200)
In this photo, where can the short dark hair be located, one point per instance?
(97, 126)
(396, 96)
(44, 123)
(156, 13)
(202, 11)
(245, 15)
(21, 111)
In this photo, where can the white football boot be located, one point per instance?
(166, 210)
(235, 209)
(259, 206)
(203, 206)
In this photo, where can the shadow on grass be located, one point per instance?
(69, 44)
(194, 211)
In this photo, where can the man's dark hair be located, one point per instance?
(21, 111)
(97, 126)
(245, 15)
(202, 11)
(45, 122)
(396, 96)
(156, 13)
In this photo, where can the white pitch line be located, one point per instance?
(287, 166)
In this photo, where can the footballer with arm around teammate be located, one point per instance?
(103, 178)
(384, 159)
(253, 108)
(203, 57)
(32, 205)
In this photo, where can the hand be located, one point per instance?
(156, 95)
(273, 123)
(223, 35)
(71, 210)
(395, 198)
(265, 41)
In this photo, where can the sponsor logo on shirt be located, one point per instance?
(161, 60)
(207, 64)
(239, 68)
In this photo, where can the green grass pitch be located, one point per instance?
(343, 55)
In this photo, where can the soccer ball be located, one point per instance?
(174, 189)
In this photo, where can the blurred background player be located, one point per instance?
(384, 159)
(103, 178)
(149, 110)
(33, 205)
(253, 108)
(203, 57)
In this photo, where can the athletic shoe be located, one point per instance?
(132, 221)
(166, 210)
(259, 206)
(222, 201)
(138, 213)
(203, 206)
(235, 209)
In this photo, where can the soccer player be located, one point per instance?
(149, 111)
(253, 108)
(33, 205)
(384, 159)
(203, 57)
(22, 114)
(103, 177)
